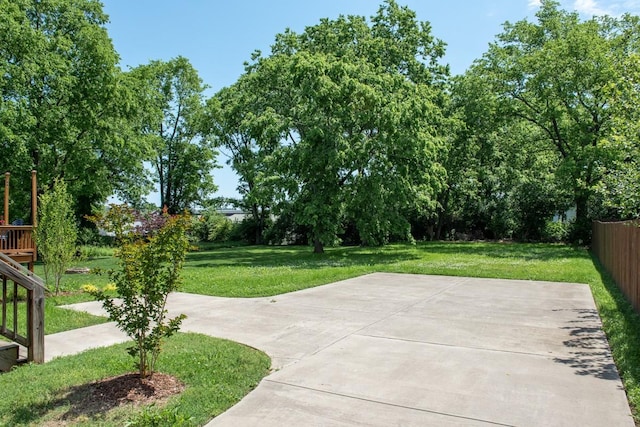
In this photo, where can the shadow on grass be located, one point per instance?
(621, 323)
(526, 251)
(79, 400)
(299, 256)
(302, 256)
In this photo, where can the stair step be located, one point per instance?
(8, 356)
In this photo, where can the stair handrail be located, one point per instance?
(33, 280)
(34, 341)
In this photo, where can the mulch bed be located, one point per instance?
(87, 400)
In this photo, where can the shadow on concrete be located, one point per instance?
(589, 352)
(597, 364)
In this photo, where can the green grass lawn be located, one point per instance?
(250, 271)
(265, 271)
(217, 374)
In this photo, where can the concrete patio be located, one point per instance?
(398, 349)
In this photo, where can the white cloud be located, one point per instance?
(534, 4)
(590, 7)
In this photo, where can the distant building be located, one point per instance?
(569, 215)
(234, 215)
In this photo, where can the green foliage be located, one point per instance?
(556, 231)
(212, 226)
(150, 263)
(90, 251)
(554, 77)
(165, 417)
(90, 236)
(87, 235)
(345, 115)
(231, 118)
(183, 155)
(252, 230)
(500, 182)
(66, 110)
(621, 185)
(534, 205)
(56, 232)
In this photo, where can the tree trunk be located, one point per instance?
(318, 247)
(582, 227)
(442, 216)
(257, 238)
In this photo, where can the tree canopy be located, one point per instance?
(183, 155)
(555, 74)
(351, 130)
(351, 117)
(65, 107)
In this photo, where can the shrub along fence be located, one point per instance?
(617, 246)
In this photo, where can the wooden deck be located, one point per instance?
(18, 243)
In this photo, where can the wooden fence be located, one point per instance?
(617, 246)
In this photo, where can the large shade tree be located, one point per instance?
(65, 107)
(351, 114)
(555, 74)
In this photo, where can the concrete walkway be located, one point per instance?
(395, 349)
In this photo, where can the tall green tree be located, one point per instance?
(64, 104)
(184, 156)
(356, 111)
(554, 74)
(242, 136)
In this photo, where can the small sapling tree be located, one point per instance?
(151, 255)
(56, 232)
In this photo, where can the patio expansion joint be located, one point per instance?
(379, 402)
(491, 350)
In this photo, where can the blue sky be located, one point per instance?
(217, 36)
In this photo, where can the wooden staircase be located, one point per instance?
(23, 298)
(22, 295)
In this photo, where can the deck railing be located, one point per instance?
(17, 242)
(21, 288)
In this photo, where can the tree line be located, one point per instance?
(351, 131)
